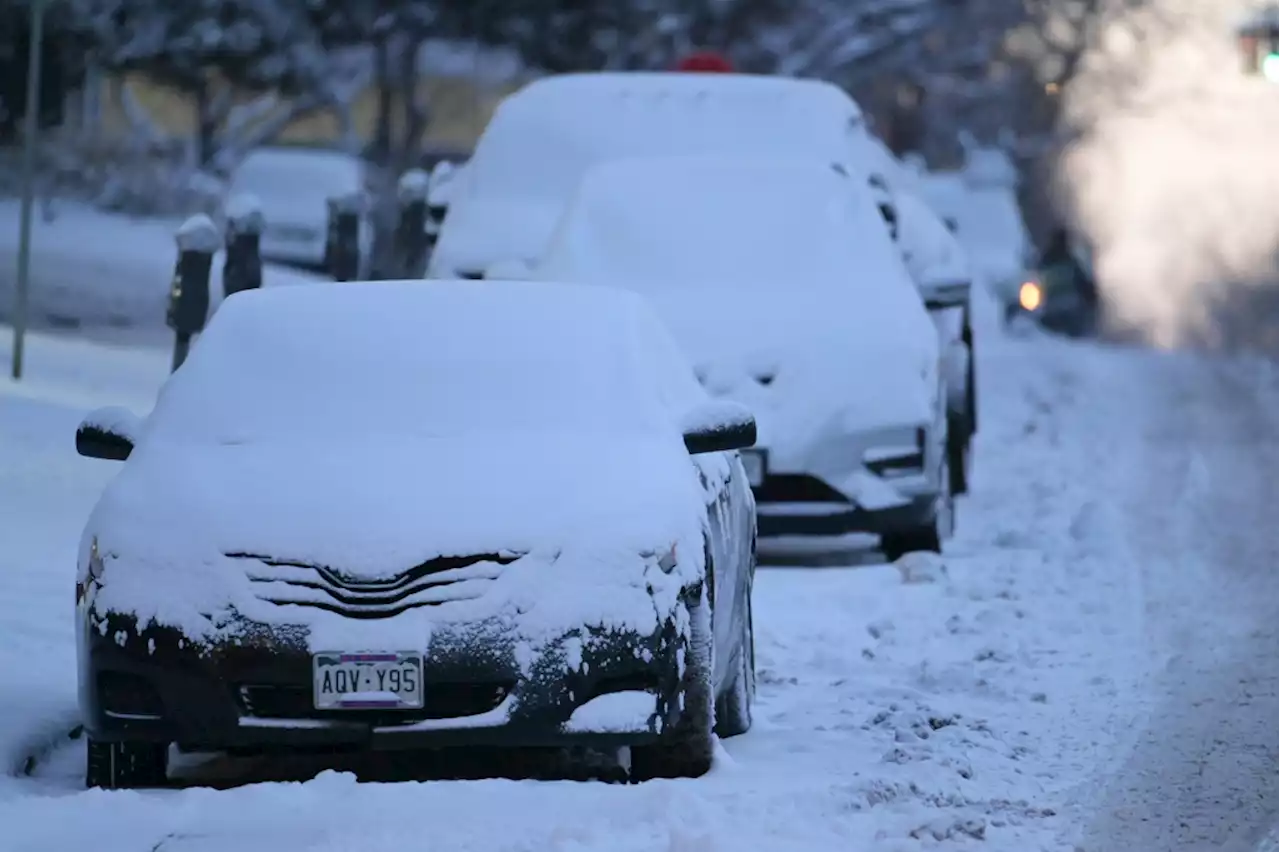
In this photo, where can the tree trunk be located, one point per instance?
(385, 84)
(206, 142)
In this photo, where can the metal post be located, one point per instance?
(31, 127)
(198, 240)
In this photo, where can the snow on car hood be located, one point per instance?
(812, 372)
(583, 511)
(478, 234)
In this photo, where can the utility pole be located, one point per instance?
(31, 128)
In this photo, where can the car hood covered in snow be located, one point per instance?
(581, 517)
(810, 375)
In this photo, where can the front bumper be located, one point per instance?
(253, 693)
(777, 516)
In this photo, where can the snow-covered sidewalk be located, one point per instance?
(924, 705)
(100, 271)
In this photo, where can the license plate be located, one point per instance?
(753, 463)
(367, 680)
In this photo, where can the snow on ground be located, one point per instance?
(972, 701)
(106, 273)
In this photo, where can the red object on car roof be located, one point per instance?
(706, 60)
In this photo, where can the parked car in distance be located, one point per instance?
(543, 139)
(802, 309)
(940, 268)
(414, 514)
(294, 184)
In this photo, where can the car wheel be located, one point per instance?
(733, 708)
(929, 535)
(686, 751)
(958, 453)
(121, 766)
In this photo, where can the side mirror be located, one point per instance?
(509, 270)
(108, 433)
(946, 293)
(719, 426)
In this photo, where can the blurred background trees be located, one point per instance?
(197, 83)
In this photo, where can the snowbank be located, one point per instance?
(46, 493)
(93, 269)
(1175, 176)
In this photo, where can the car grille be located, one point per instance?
(440, 701)
(437, 581)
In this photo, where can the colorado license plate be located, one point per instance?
(367, 680)
(754, 464)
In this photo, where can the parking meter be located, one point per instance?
(411, 240)
(198, 239)
(242, 266)
(437, 199)
(342, 239)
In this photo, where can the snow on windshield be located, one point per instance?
(545, 137)
(283, 172)
(411, 360)
(700, 223)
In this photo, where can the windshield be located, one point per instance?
(275, 173)
(692, 227)
(358, 366)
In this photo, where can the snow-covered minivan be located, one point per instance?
(544, 138)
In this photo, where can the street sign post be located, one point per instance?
(31, 128)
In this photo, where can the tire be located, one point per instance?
(687, 750)
(123, 766)
(929, 535)
(733, 708)
(958, 437)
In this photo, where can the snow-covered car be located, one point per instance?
(544, 138)
(293, 185)
(802, 309)
(431, 513)
(941, 270)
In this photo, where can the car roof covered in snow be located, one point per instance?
(542, 138)
(423, 358)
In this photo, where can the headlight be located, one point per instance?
(1029, 296)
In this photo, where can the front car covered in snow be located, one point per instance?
(800, 308)
(545, 137)
(408, 514)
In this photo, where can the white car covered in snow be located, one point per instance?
(429, 513)
(778, 278)
(293, 186)
(940, 267)
(543, 139)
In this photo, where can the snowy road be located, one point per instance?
(1093, 662)
(1203, 514)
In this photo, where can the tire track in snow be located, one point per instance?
(1202, 507)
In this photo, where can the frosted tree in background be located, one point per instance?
(211, 51)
